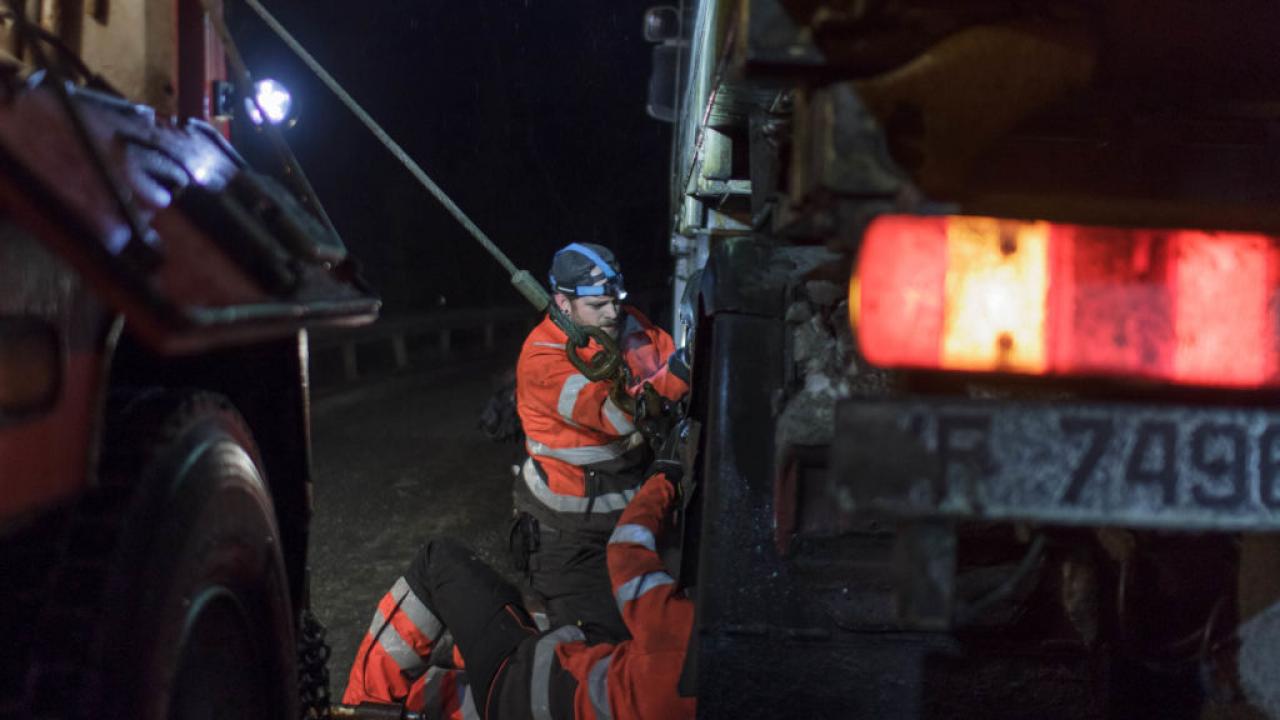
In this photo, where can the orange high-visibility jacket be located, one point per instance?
(571, 423)
(636, 679)
(632, 680)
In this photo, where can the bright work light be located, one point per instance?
(273, 98)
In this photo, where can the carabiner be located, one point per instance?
(605, 364)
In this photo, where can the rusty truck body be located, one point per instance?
(983, 318)
(155, 294)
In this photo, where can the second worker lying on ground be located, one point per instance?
(512, 669)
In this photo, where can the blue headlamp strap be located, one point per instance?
(612, 284)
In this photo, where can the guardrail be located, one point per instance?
(485, 330)
(402, 333)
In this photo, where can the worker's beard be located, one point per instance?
(612, 328)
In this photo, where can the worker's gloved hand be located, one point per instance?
(654, 416)
(669, 457)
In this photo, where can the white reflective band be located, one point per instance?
(569, 395)
(540, 677)
(410, 663)
(432, 692)
(558, 346)
(619, 419)
(606, 503)
(598, 687)
(413, 608)
(466, 698)
(632, 533)
(586, 455)
(636, 587)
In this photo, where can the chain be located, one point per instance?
(313, 668)
(606, 364)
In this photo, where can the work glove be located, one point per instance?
(669, 456)
(654, 416)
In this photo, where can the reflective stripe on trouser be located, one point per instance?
(434, 691)
(540, 677)
(394, 650)
(467, 702)
(437, 692)
(409, 643)
(444, 694)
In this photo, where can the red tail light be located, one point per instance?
(981, 294)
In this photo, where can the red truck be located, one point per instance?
(155, 295)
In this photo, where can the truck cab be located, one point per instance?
(155, 296)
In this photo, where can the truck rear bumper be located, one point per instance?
(1083, 464)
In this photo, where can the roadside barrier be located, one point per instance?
(343, 356)
(403, 337)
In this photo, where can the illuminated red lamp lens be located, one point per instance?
(981, 294)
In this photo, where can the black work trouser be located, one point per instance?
(491, 627)
(568, 570)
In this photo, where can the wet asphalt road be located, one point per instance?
(395, 463)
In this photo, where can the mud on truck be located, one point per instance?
(155, 294)
(983, 298)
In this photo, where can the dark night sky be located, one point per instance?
(529, 113)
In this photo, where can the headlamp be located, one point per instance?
(611, 286)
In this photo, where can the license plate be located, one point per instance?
(1075, 464)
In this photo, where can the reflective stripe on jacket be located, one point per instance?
(570, 422)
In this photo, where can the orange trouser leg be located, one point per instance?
(393, 654)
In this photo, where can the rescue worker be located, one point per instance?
(586, 458)
(514, 670)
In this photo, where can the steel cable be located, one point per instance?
(530, 288)
(387, 141)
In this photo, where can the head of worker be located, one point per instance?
(586, 285)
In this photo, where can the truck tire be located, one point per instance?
(171, 600)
